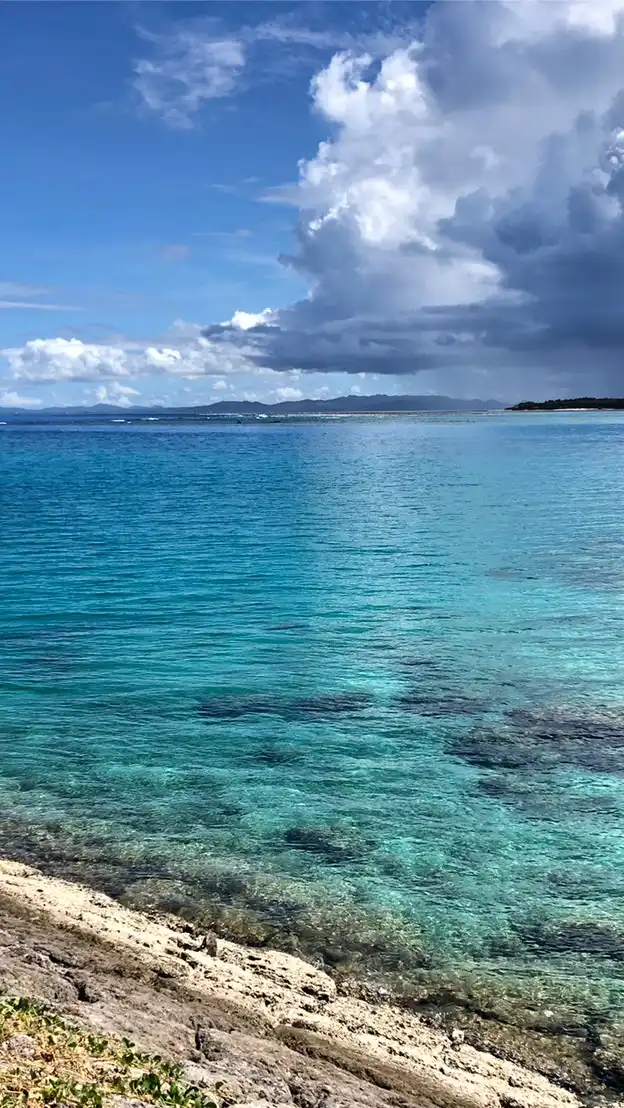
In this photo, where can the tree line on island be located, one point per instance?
(588, 402)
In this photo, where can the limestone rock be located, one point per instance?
(22, 1046)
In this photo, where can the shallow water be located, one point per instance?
(359, 680)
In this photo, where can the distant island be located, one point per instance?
(609, 403)
(340, 405)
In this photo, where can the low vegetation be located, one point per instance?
(46, 1061)
(610, 403)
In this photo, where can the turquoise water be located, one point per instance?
(351, 686)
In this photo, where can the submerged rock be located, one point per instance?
(608, 1057)
(546, 739)
(326, 704)
(492, 749)
(593, 803)
(587, 740)
(233, 706)
(303, 708)
(605, 723)
(432, 704)
(289, 627)
(510, 573)
(502, 787)
(542, 799)
(573, 937)
(335, 844)
(419, 662)
(276, 755)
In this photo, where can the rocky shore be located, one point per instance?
(249, 1026)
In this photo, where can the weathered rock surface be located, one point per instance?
(287, 1032)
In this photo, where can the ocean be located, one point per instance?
(350, 687)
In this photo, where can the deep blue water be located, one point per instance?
(357, 681)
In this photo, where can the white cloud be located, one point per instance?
(467, 210)
(20, 288)
(175, 252)
(9, 398)
(37, 306)
(22, 295)
(239, 233)
(289, 393)
(244, 321)
(187, 354)
(198, 61)
(464, 216)
(121, 395)
(188, 70)
(60, 359)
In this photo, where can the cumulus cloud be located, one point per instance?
(198, 61)
(287, 392)
(247, 321)
(121, 395)
(467, 209)
(61, 359)
(187, 353)
(465, 214)
(9, 398)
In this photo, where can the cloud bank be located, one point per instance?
(467, 210)
(464, 215)
(186, 354)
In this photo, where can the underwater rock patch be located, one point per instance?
(595, 578)
(585, 884)
(542, 800)
(418, 662)
(500, 787)
(593, 803)
(295, 709)
(542, 740)
(233, 707)
(510, 573)
(607, 723)
(276, 755)
(572, 936)
(492, 749)
(530, 802)
(327, 704)
(424, 704)
(608, 1056)
(334, 844)
(289, 627)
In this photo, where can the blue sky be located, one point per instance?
(381, 176)
(97, 193)
(129, 222)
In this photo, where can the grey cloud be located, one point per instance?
(464, 216)
(469, 209)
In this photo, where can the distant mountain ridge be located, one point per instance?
(340, 405)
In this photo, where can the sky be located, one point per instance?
(268, 201)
